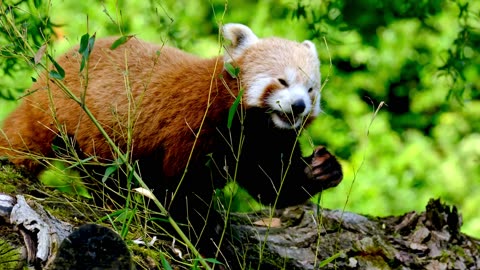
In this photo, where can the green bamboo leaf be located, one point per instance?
(165, 263)
(55, 75)
(83, 44)
(59, 73)
(120, 41)
(213, 260)
(111, 215)
(91, 42)
(108, 171)
(82, 64)
(233, 71)
(329, 259)
(80, 162)
(233, 109)
(86, 47)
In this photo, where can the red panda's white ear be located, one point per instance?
(240, 37)
(310, 46)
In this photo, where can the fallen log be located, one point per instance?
(302, 237)
(332, 239)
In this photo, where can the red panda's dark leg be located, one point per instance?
(324, 170)
(309, 176)
(192, 207)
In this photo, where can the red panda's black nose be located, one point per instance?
(298, 107)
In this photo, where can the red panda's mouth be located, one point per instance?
(286, 119)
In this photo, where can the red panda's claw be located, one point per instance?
(325, 168)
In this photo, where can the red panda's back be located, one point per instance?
(157, 94)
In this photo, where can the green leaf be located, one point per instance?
(329, 259)
(91, 42)
(233, 109)
(63, 179)
(80, 162)
(111, 215)
(86, 47)
(83, 44)
(120, 41)
(165, 263)
(82, 64)
(59, 73)
(108, 172)
(233, 71)
(213, 260)
(210, 260)
(55, 75)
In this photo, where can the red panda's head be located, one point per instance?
(278, 75)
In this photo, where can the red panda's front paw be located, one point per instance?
(324, 169)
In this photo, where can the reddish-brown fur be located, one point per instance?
(167, 106)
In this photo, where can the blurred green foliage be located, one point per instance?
(420, 58)
(65, 180)
(32, 16)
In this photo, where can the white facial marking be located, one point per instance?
(255, 91)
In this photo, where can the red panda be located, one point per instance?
(177, 102)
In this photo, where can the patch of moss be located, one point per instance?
(10, 256)
(144, 256)
(14, 180)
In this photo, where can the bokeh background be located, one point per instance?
(401, 95)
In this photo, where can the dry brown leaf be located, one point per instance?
(268, 222)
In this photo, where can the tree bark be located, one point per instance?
(302, 237)
(332, 239)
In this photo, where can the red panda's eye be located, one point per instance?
(283, 82)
